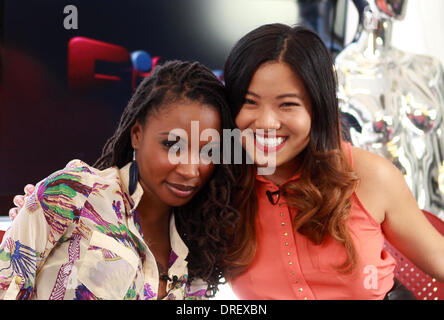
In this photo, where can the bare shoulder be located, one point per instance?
(378, 177)
(373, 168)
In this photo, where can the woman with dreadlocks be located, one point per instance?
(136, 225)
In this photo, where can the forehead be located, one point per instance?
(180, 114)
(276, 78)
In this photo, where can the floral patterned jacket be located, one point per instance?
(78, 237)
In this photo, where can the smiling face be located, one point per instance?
(162, 180)
(276, 99)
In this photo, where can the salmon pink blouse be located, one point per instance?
(287, 265)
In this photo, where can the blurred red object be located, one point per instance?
(2, 233)
(421, 284)
(82, 55)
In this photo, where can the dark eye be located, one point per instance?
(249, 101)
(168, 144)
(290, 104)
(171, 144)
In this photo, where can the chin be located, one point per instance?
(177, 202)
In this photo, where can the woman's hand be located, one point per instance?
(19, 201)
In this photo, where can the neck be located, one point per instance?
(375, 39)
(154, 216)
(152, 212)
(284, 172)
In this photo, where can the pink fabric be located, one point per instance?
(289, 266)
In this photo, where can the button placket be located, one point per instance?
(149, 266)
(287, 242)
(288, 246)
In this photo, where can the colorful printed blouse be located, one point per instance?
(77, 237)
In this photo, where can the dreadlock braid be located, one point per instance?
(205, 221)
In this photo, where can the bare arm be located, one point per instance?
(407, 228)
(383, 189)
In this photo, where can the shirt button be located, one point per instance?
(305, 298)
(300, 289)
(285, 234)
(296, 281)
(286, 243)
(18, 280)
(290, 263)
(281, 214)
(283, 224)
(288, 253)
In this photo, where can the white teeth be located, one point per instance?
(270, 142)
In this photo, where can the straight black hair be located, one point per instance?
(322, 194)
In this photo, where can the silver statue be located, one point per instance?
(397, 102)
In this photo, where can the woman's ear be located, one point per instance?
(136, 135)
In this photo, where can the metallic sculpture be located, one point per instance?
(396, 100)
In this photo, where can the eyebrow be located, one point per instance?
(253, 94)
(289, 95)
(281, 96)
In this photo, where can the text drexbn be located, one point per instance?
(243, 309)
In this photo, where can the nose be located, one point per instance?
(267, 119)
(188, 170)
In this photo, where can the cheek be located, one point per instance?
(205, 172)
(243, 119)
(156, 162)
(300, 126)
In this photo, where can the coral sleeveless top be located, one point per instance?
(287, 265)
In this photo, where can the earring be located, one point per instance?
(133, 175)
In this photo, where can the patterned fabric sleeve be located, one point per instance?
(196, 290)
(41, 222)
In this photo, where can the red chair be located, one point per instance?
(421, 284)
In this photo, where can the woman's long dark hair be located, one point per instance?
(322, 194)
(203, 222)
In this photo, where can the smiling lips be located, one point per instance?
(180, 190)
(268, 144)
